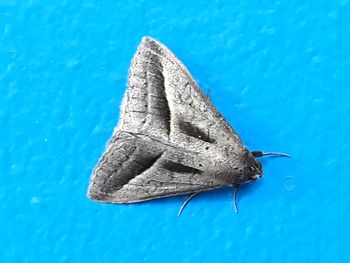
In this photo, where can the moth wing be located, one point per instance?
(163, 100)
(191, 111)
(145, 107)
(133, 169)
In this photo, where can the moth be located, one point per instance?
(170, 139)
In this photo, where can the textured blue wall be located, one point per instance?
(278, 71)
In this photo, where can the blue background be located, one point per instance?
(279, 71)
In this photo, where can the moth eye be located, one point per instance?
(207, 148)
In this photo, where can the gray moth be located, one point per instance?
(170, 139)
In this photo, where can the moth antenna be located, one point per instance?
(185, 203)
(261, 154)
(235, 199)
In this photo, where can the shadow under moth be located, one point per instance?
(170, 139)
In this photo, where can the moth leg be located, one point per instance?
(235, 198)
(261, 154)
(186, 202)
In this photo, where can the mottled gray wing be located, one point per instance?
(187, 103)
(135, 168)
(163, 99)
(145, 107)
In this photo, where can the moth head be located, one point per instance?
(258, 170)
(252, 168)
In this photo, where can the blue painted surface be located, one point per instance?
(278, 71)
